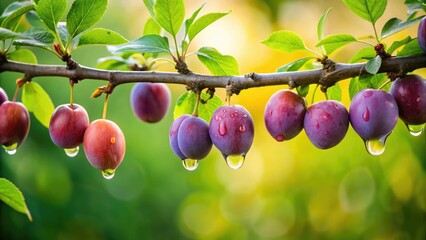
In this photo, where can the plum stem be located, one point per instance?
(197, 103)
(384, 84)
(105, 106)
(16, 93)
(71, 94)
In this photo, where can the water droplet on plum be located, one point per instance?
(280, 138)
(71, 152)
(376, 147)
(190, 164)
(235, 161)
(108, 173)
(366, 115)
(11, 150)
(242, 128)
(222, 129)
(416, 130)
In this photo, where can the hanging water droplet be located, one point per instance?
(11, 149)
(190, 164)
(242, 128)
(235, 161)
(279, 138)
(376, 146)
(222, 128)
(416, 130)
(108, 173)
(366, 115)
(71, 152)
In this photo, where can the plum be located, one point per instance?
(104, 146)
(373, 115)
(193, 138)
(326, 123)
(410, 95)
(3, 96)
(14, 125)
(231, 130)
(173, 135)
(284, 114)
(421, 34)
(67, 126)
(150, 101)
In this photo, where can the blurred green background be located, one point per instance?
(287, 190)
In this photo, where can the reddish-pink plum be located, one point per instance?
(3, 96)
(14, 125)
(150, 101)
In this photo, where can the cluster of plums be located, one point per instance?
(373, 115)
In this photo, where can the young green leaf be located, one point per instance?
(333, 42)
(22, 55)
(170, 14)
(366, 53)
(7, 34)
(218, 64)
(415, 5)
(150, 6)
(397, 44)
(376, 80)
(395, 25)
(369, 10)
(303, 90)
(285, 41)
(40, 34)
(373, 65)
(295, 65)
(148, 43)
(321, 23)
(189, 21)
(334, 92)
(31, 43)
(101, 36)
(84, 14)
(151, 27)
(51, 12)
(203, 22)
(10, 19)
(186, 104)
(356, 84)
(114, 63)
(33, 19)
(38, 102)
(411, 48)
(13, 197)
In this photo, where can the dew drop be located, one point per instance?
(280, 138)
(376, 146)
(235, 161)
(190, 164)
(245, 115)
(11, 149)
(367, 93)
(416, 130)
(366, 115)
(216, 117)
(242, 128)
(222, 129)
(71, 152)
(108, 173)
(112, 140)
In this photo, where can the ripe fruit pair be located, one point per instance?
(230, 130)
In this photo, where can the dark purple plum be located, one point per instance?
(410, 95)
(150, 101)
(104, 146)
(373, 115)
(173, 135)
(67, 126)
(326, 123)
(284, 114)
(421, 34)
(193, 138)
(3, 96)
(231, 130)
(14, 125)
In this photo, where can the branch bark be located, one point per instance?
(327, 77)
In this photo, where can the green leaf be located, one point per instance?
(357, 85)
(63, 32)
(303, 90)
(150, 6)
(285, 41)
(84, 14)
(334, 92)
(333, 42)
(376, 80)
(38, 102)
(51, 12)
(411, 48)
(397, 44)
(415, 5)
(11, 195)
(186, 104)
(22, 55)
(203, 22)
(170, 14)
(189, 21)
(101, 36)
(218, 64)
(366, 53)
(321, 23)
(373, 65)
(30, 43)
(7, 34)
(114, 63)
(369, 10)
(10, 19)
(295, 65)
(395, 25)
(148, 43)
(151, 27)
(33, 19)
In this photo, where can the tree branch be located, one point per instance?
(327, 77)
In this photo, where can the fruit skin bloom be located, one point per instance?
(104, 144)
